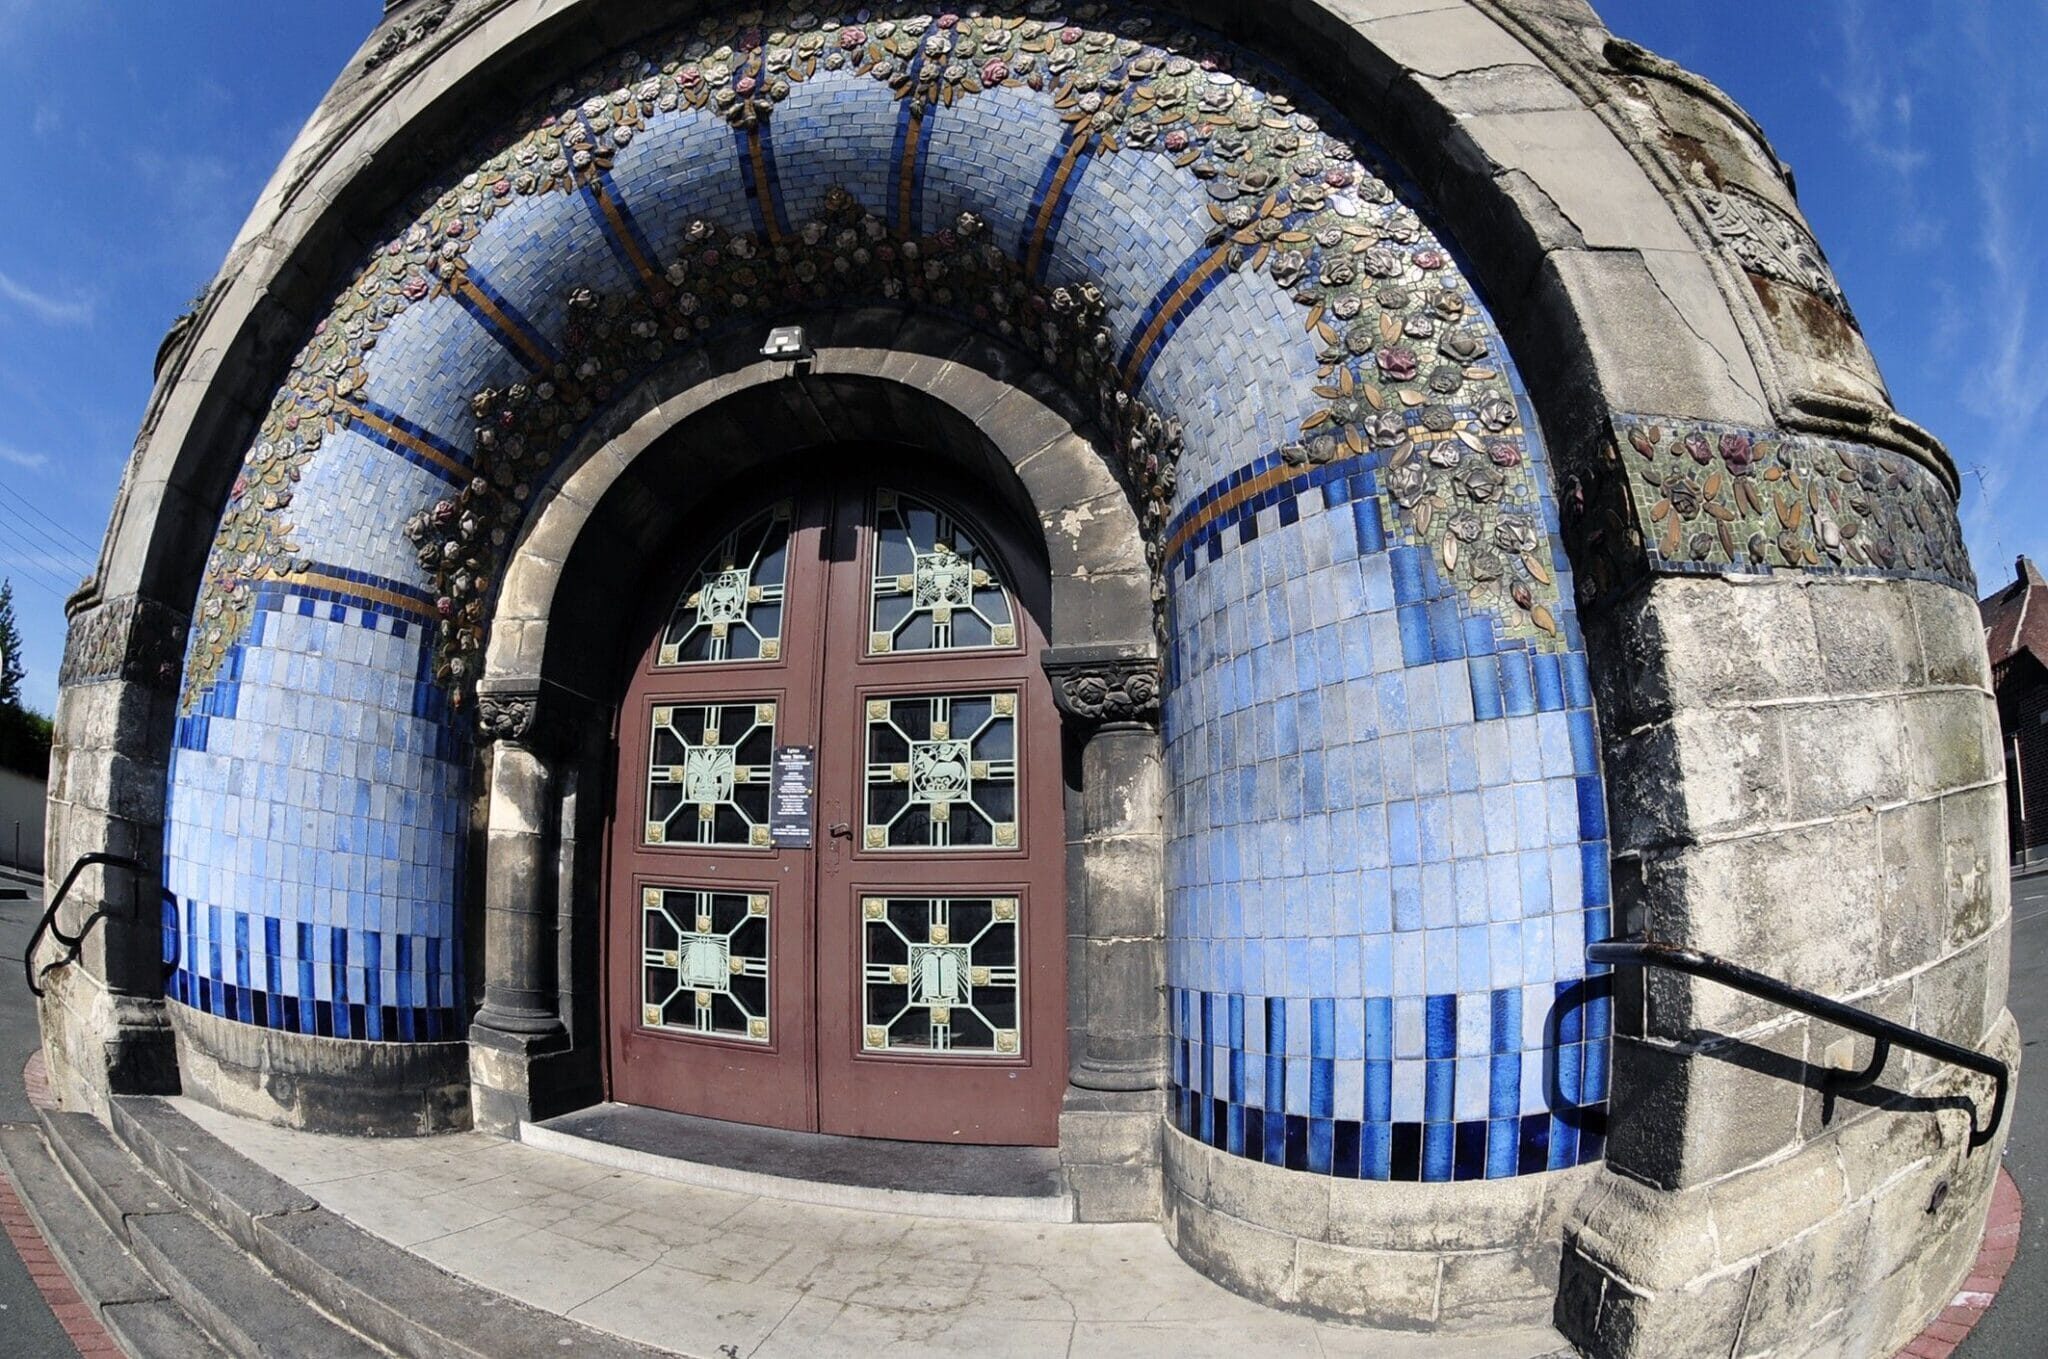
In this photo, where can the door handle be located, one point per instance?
(839, 830)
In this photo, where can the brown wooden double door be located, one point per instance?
(900, 975)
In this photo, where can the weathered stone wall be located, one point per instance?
(1839, 815)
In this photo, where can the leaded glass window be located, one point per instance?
(940, 974)
(934, 586)
(942, 772)
(704, 962)
(708, 769)
(732, 610)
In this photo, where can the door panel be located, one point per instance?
(731, 672)
(944, 751)
(904, 977)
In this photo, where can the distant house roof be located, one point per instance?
(2016, 618)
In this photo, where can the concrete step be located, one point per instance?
(215, 1295)
(399, 1300)
(131, 1304)
(246, 1307)
(110, 1180)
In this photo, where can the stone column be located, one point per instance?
(519, 1023)
(1109, 1130)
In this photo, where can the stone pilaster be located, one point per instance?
(1109, 1128)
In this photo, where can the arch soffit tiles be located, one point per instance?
(1274, 223)
(321, 179)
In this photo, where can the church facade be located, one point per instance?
(1138, 581)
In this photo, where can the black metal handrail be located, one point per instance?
(1885, 1034)
(72, 942)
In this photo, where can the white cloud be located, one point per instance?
(46, 307)
(1876, 95)
(17, 457)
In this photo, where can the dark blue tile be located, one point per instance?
(1440, 1025)
(1405, 1160)
(1469, 1151)
(1438, 1146)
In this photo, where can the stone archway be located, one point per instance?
(550, 730)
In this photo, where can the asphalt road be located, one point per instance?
(27, 1329)
(2017, 1323)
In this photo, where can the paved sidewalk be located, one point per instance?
(721, 1275)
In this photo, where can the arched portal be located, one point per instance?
(1328, 898)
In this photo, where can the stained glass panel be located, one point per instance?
(934, 586)
(732, 610)
(708, 770)
(940, 974)
(704, 962)
(942, 772)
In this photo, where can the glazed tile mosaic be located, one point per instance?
(1693, 497)
(1388, 840)
(317, 855)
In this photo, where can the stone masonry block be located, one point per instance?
(1804, 1283)
(1951, 740)
(1730, 643)
(1974, 891)
(1951, 636)
(1800, 898)
(1757, 1210)
(1704, 1318)
(1913, 910)
(1948, 999)
(1396, 1289)
(1445, 42)
(1240, 1256)
(1270, 1196)
(1843, 756)
(1506, 88)
(1457, 1216)
(1495, 1289)
(1676, 1120)
(1649, 1238)
(1645, 355)
(1868, 639)
(1591, 177)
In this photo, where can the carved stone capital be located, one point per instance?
(506, 717)
(1094, 685)
(532, 712)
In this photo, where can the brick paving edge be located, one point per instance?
(1980, 1289)
(80, 1322)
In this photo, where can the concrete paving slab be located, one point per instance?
(668, 1307)
(538, 1267)
(712, 1272)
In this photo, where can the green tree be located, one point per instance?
(24, 735)
(10, 649)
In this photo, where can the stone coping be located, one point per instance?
(707, 1272)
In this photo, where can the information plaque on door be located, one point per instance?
(793, 799)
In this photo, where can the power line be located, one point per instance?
(36, 570)
(65, 555)
(91, 550)
(27, 577)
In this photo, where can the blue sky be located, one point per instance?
(149, 128)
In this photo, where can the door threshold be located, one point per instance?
(926, 1179)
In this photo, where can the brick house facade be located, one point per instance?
(2016, 635)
